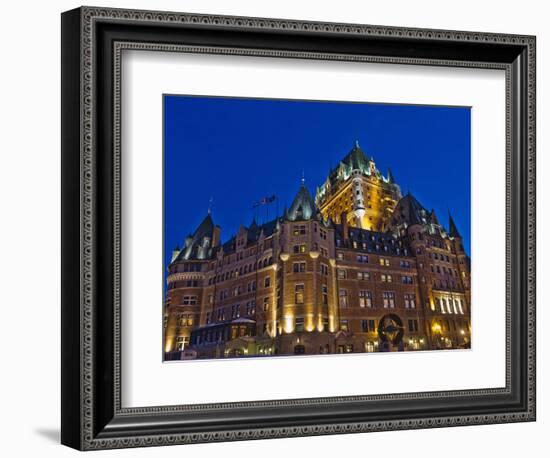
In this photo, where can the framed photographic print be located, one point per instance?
(277, 228)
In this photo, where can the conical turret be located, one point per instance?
(303, 206)
(453, 231)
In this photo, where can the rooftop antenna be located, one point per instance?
(303, 177)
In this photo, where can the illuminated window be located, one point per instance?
(384, 262)
(386, 278)
(460, 307)
(343, 297)
(251, 308)
(388, 299)
(266, 304)
(441, 306)
(365, 299)
(299, 230)
(300, 248)
(342, 274)
(455, 306)
(299, 293)
(410, 301)
(363, 258)
(344, 325)
(181, 343)
(407, 280)
(340, 255)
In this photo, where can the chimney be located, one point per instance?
(216, 236)
(345, 228)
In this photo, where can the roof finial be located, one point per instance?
(303, 177)
(357, 143)
(210, 204)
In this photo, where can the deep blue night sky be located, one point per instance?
(240, 150)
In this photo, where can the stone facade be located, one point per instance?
(360, 268)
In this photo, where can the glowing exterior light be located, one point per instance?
(289, 324)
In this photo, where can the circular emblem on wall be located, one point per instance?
(390, 329)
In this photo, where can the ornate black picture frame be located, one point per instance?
(92, 42)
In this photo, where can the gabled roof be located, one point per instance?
(303, 206)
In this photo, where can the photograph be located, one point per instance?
(308, 227)
(280, 222)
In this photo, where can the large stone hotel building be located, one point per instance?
(360, 268)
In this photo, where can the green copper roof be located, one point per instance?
(303, 207)
(356, 158)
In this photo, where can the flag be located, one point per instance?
(264, 201)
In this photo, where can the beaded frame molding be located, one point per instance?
(92, 42)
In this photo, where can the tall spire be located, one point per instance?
(433, 217)
(391, 179)
(453, 231)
